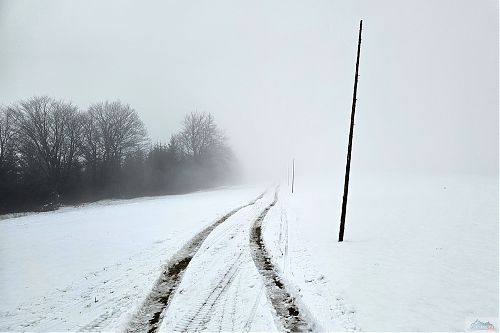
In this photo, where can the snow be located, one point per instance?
(420, 253)
(54, 266)
(222, 289)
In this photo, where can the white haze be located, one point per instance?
(277, 75)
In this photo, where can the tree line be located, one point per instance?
(53, 153)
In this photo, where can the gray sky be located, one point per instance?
(277, 75)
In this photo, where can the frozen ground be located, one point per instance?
(420, 254)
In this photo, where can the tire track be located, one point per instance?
(283, 238)
(149, 316)
(200, 316)
(255, 305)
(291, 314)
(99, 322)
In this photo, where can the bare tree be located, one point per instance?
(91, 145)
(111, 132)
(48, 134)
(200, 135)
(208, 160)
(51, 150)
(114, 129)
(7, 138)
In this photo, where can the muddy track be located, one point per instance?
(288, 308)
(149, 316)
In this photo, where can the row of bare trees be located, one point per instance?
(51, 152)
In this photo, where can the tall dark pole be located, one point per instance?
(287, 175)
(293, 173)
(349, 147)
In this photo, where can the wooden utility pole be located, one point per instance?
(293, 173)
(287, 175)
(349, 146)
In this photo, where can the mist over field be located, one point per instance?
(278, 78)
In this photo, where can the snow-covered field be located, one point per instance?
(90, 267)
(420, 254)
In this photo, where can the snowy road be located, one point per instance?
(291, 313)
(222, 288)
(150, 314)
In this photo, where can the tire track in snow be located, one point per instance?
(283, 238)
(98, 323)
(149, 316)
(291, 313)
(251, 317)
(200, 315)
(222, 283)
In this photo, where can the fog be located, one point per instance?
(277, 75)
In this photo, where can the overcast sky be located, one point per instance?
(277, 75)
